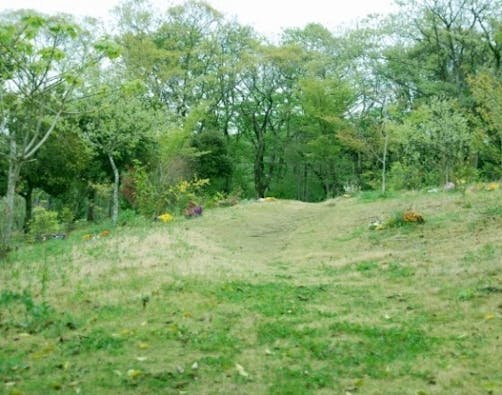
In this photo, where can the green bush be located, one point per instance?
(43, 225)
(67, 219)
(147, 199)
(396, 220)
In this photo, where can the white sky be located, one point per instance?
(267, 16)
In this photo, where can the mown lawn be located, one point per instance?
(276, 297)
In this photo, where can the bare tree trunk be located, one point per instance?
(116, 181)
(12, 177)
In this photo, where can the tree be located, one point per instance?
(487, 92)
(439, 43)
(115, 123)
(324, 105)
(177, 58)
(265, 99)
(213, 161)
(58, 167)
(42, 59)
(437, 140)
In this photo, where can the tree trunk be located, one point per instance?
(116, 181)
(384, 163)
(305, 182)
(28, 204)
(259, 168)
(91, 201)
(12, 177)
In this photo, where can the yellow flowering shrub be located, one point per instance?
(492, 186)
(182, 193)
(165, 218)
(412, 216)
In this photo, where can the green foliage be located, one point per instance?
(487, 92)
(67, 218)
(152, 200)
(220, 199)
(396, 220)
(324, 103)
(213, 161)
(178, 196)
(20, 311)
(437, 141)
(406, 176)
(43, 224)
(145, 196)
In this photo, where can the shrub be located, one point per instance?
(193, 210)
(220, 199)
(400, 218)
(179, 196)
(165, 218)
(412, 216)
(43, 225)
(66, 217)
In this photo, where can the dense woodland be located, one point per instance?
(189, 104)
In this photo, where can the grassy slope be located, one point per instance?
(303, 297)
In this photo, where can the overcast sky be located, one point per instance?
(267, 16)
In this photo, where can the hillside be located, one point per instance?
(278, 297)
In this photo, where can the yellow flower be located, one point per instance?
(165, 218)
(492, 186)
(133, 373)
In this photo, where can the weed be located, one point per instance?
(93, 341)
(367, 266)
(20, 311)
(398, 270)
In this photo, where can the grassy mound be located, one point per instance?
(276, 297)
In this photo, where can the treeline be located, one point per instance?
(141, 118)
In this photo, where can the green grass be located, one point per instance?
(263, 298)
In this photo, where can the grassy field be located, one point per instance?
(276, 297)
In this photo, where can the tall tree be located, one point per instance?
(265, 100)
(324, 104)
(42, 59)
(437, 141)
(439, 43)
(487, 92)
(116, 123)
